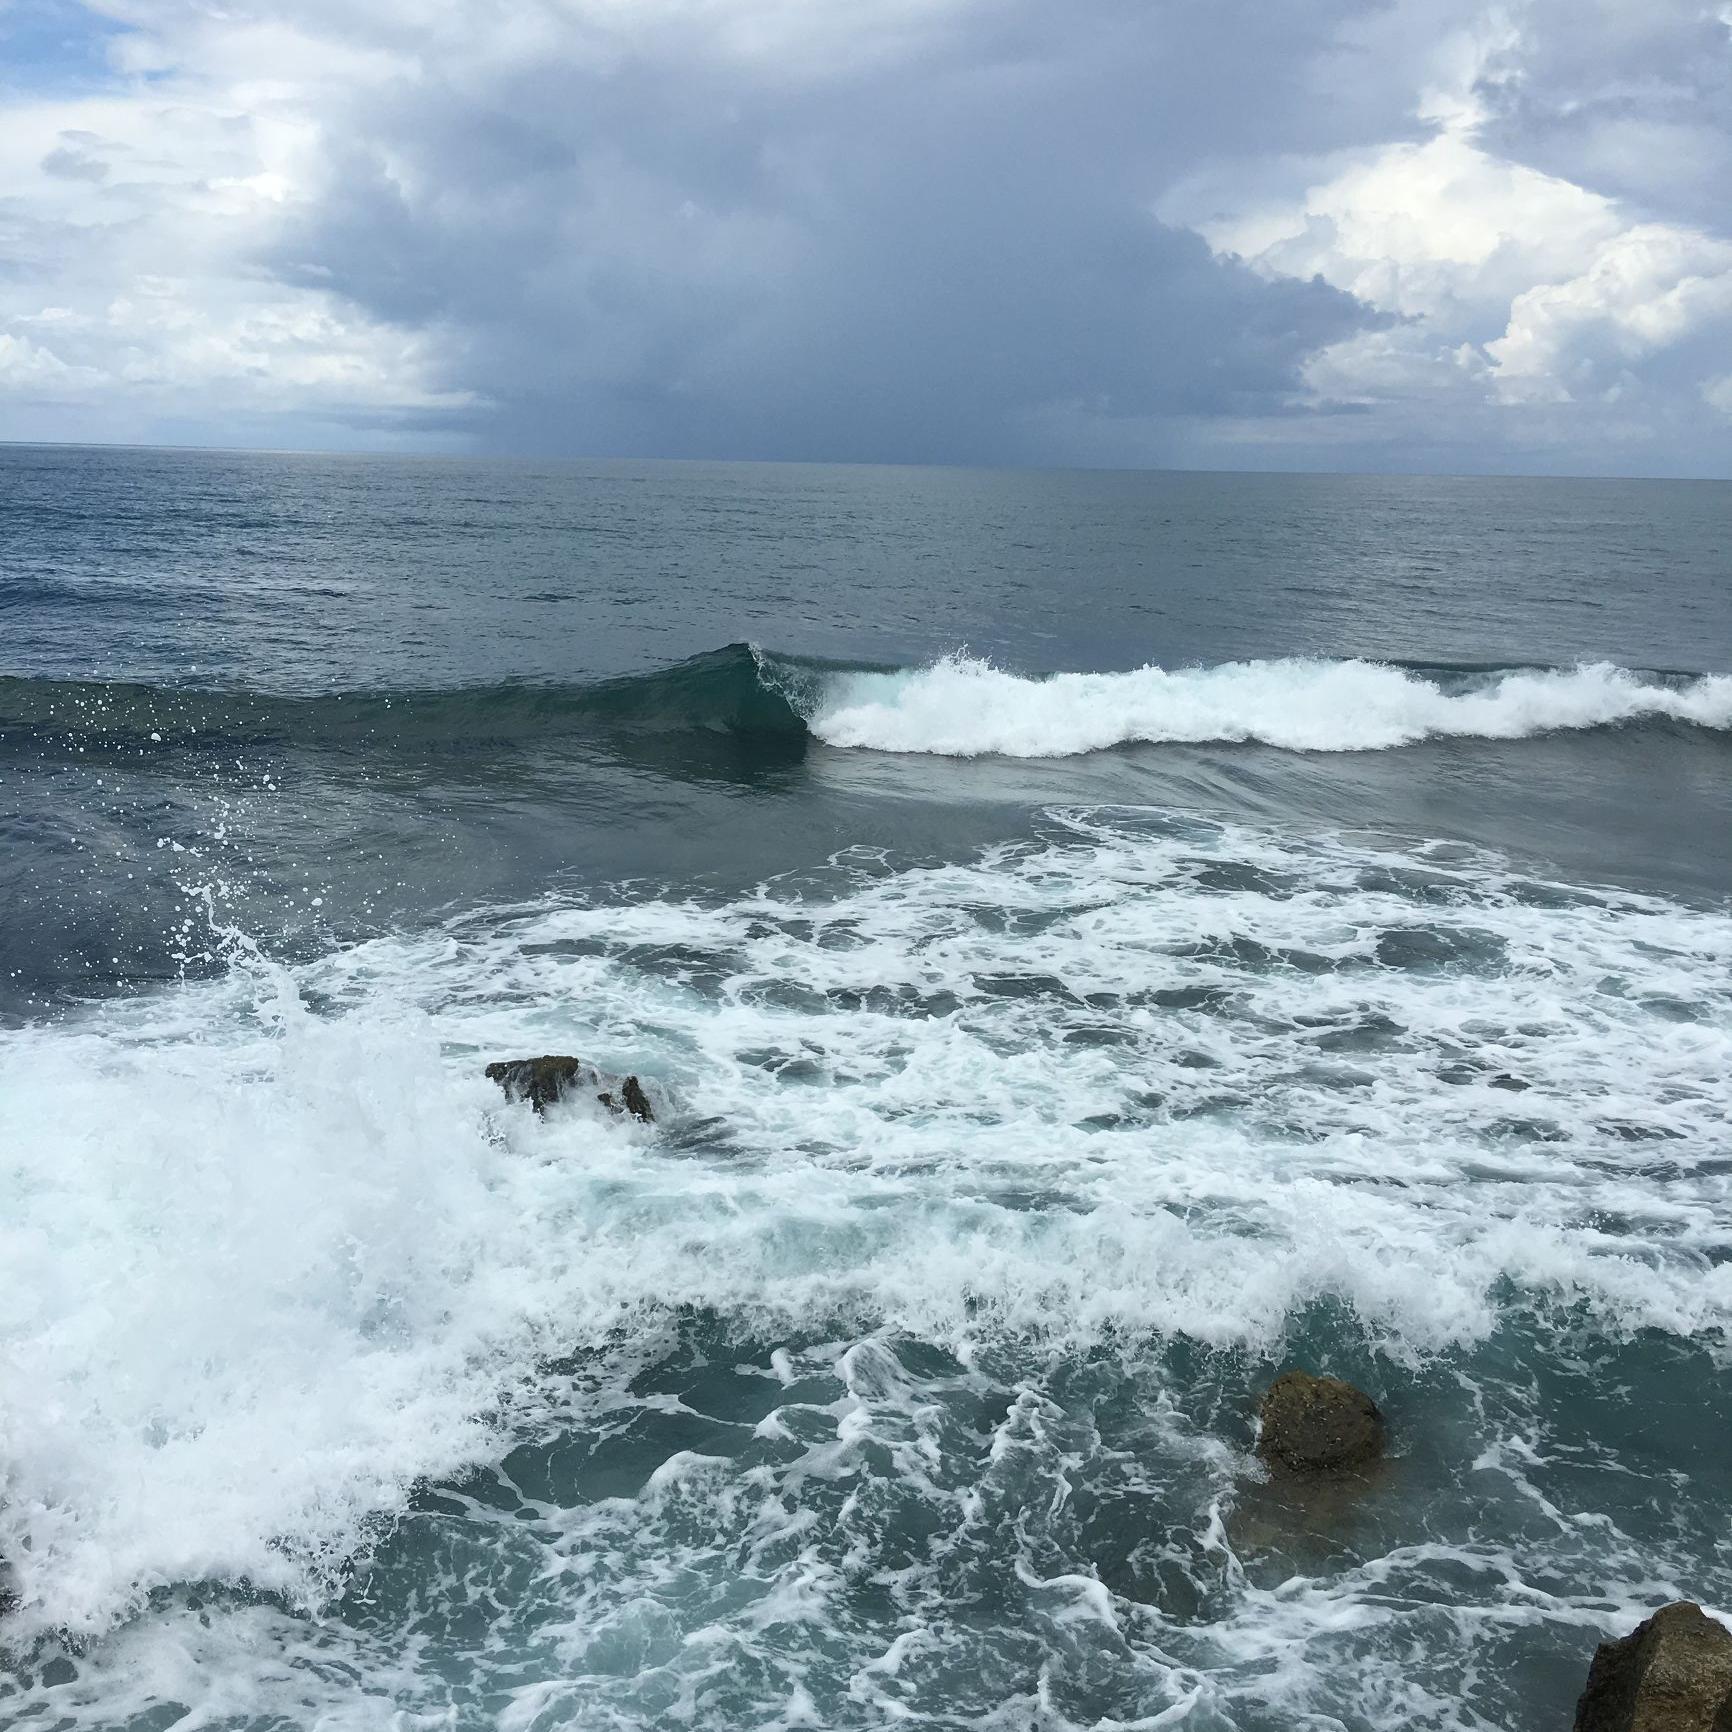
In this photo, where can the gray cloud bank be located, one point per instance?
(1184, 231)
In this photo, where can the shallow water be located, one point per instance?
(1332, 964)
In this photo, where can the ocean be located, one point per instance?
(1091, 941)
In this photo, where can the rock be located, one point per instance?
(542, 1081)
(1670, 1674)
(632, 1099)
(1318, 1425)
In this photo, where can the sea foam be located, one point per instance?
(962, 706)
(276, 1251)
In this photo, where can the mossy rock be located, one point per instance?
(1318, 1425)
(1672, 1673)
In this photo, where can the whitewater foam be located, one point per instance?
(962, 706)
(260, 1280)
(269, 1268)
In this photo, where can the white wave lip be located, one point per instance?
(964, 707)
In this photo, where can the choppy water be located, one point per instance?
(1092, 940)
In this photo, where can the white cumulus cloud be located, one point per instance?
(1651, 290)
(1529, 312)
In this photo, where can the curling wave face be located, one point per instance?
(964, 707)
(723, 691)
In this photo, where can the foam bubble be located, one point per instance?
(965, 707)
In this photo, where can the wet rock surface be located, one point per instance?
(1318, 1425)
(1672, 1673)
(550, 1078)
(630, 1098)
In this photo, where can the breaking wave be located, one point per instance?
(958, 706)
(964, 707)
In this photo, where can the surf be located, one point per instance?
(279, 1254)
(957, 706)
(962, 706)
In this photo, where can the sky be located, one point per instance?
(1412, 235)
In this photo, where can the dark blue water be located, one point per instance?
(1090, 939)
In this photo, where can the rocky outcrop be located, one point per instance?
(1318, 1425)
(1670, 1674)
(542, 1081)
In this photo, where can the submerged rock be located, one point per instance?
(1670, 1674)
(1318, 1425)
(542, 1081)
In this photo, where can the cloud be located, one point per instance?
(1652, 291)
(1633, 100)
(134, 217)
(911, 228)
(28, 367)
(975, 230)
(1551, 319)
(731, 230)
(74, 159)
(1423, 230)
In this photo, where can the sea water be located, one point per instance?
(1090, 940)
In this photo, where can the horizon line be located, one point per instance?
(192, 448)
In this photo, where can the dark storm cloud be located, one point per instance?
(1630, 100)
(943, 254)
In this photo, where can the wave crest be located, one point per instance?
(965, 707)
(958, 706)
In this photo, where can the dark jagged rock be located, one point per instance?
(632, 1099)
(1318, 1425)
(1670, 1674)
(542, 1081)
